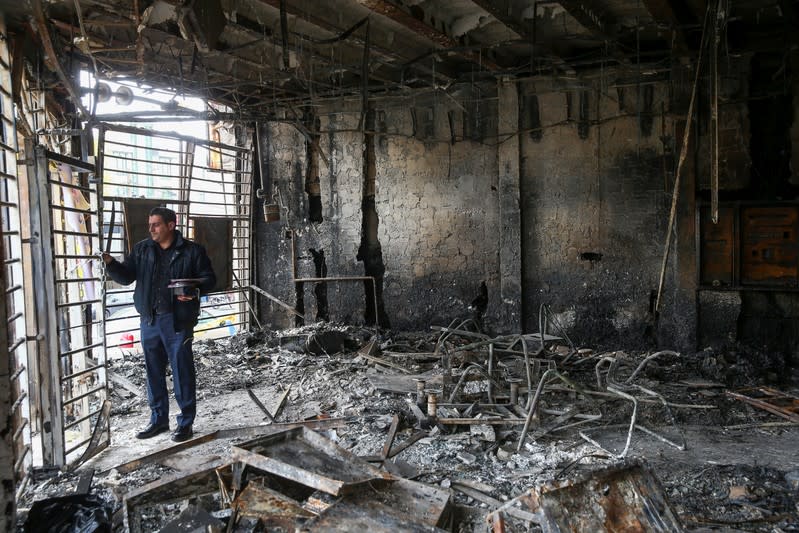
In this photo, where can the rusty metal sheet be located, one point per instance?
(270, 506)
(771, 400)
(626, 498)
(308, 458)
(403, 505)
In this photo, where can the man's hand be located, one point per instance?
(185, 298)
(107, 258)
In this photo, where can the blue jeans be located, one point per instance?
(162, 344)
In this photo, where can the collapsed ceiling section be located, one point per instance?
(256, 55)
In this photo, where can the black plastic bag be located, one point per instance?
(80, 513)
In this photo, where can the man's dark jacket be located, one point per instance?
(188, 261)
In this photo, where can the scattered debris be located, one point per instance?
(434, 420)
(77, 512)
(771, 400)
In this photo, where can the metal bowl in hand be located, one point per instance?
(185, 286)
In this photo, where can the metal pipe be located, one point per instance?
(532, 409)
(172, 135)
(420, 384)
(432, 402)
(645, 361)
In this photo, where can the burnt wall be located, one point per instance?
(436, 200)
(282, 179)
(595, 200)
(438, 203)
(759, 142)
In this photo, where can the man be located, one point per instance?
(167, 321)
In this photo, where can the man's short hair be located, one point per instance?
(166, 214)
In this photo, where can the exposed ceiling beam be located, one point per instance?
(509, 14)
(598, 22)
(402, 15)
(664, 13)
(344, 63)
(589, 16)
(381, 43)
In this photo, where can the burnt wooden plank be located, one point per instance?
(240, 432)
(306, 457)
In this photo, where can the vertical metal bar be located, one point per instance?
(714, 119)
(191, 151)
(98, 178)
(42, 262)
(7, 470)
(17, 355)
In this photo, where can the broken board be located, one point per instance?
(771, 400)
(308, 458)
(402, 506)
(271, 507)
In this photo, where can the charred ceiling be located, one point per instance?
(258, 55)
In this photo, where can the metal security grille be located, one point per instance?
(208, 184)
(15, 356)
(72, 380)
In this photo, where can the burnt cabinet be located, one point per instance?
(751, 246)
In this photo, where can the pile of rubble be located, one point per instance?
(451, 429)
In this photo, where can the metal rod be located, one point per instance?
(71, 186)
(81, 372)
(171, 135)
(73, 210)
(81, 349)
(74, 304)
(19, 430)
(130, 145)
(680, 162)
(83, 395)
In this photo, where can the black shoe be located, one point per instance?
(152, 430)
(182, 433)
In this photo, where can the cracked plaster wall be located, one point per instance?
(440, 206)
(605, 194)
